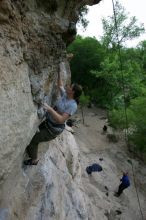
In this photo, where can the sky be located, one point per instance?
(105, 8)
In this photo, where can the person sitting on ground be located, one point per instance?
(125, 183)
(54, 123)
(95, 167)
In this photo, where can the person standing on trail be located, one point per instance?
(125, 183)
(55, 118)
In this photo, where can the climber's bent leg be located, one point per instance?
(42, 136)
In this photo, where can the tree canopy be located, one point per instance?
(119, 27)
(112, 75)
(87, 56)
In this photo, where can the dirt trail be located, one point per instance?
(100, 187)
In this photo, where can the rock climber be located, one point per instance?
(56, 117)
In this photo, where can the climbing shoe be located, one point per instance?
(30, 162)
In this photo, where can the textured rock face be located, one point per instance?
(33, 39)
(52, 189)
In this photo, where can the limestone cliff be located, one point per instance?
(33, 39)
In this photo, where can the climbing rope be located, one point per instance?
(125, 107)
(121, 70)
(142, 217)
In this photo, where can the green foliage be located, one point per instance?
(87, 55)
(120, 28)
(114, 76)
(82, 20)
(122, 75)
(84, 100)
(138, 136)
(142, 54)
(136, 115)
(117, 118)
(121, 68)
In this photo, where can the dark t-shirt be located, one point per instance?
(125, 180)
